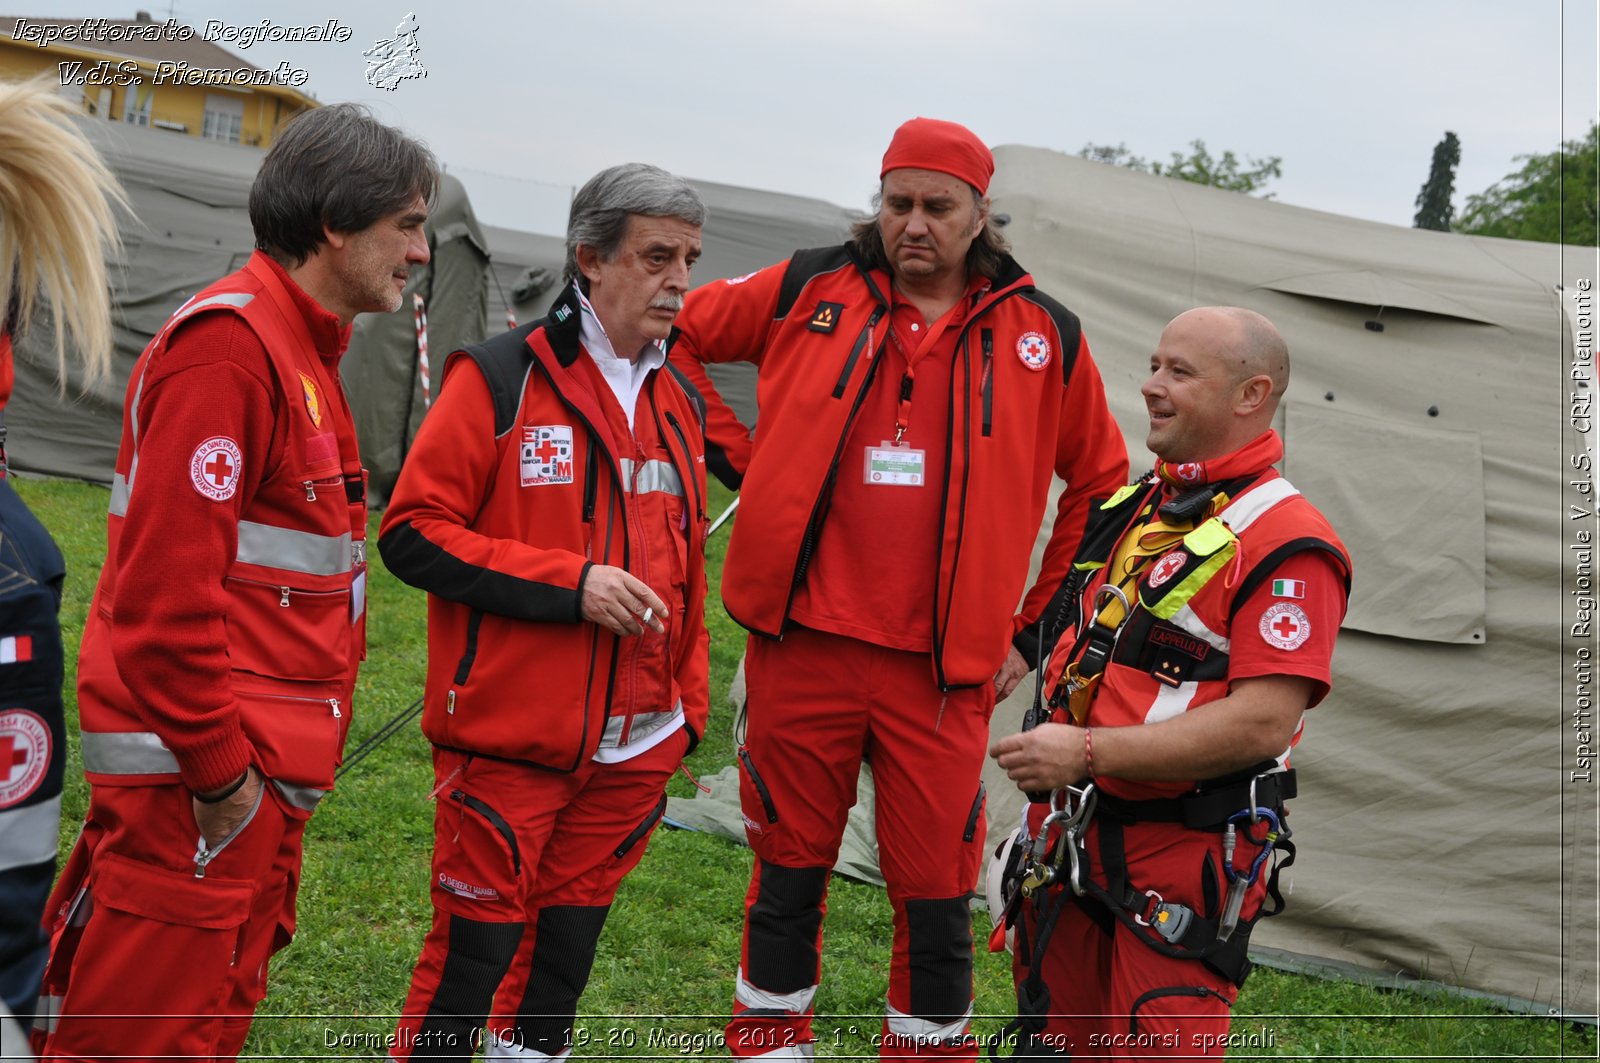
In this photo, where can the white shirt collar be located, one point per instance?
(592, 334)
(626, 379)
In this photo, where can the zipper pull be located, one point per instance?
(283, 602)
(450, 703)
(202, 857)
(311, 491)
(335, 703)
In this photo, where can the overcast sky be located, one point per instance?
(525, 100)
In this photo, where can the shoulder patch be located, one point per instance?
(826, 317)
(1286, 626)
(24, 755)
(1067, 325)
(1034, 350)
(215, 466)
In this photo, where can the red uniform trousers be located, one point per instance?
(1112, 995)
(817, 704)
(130, 898)
(525, 864)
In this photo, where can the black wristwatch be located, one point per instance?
(216, 799)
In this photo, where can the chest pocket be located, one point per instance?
(290, 615)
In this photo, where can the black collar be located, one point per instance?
(563, 324)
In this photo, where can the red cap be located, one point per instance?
(944, 147)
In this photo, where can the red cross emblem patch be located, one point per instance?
(546, 454)
(214, 469)
(1034, 350)
(1285, 626)
(1167, 567)
(24, 754)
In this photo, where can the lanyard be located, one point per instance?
(908, 379)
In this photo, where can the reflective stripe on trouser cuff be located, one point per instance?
(498, 1049)
(902, 1025)
(805, 1051)
(653, 476)
(28, 835)
(47, 1014)
(297, 551)
(796, 1003)
(127, 753)
(305, 797)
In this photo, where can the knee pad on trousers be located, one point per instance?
(784, 921)
(939, 958)
(478, 957)
(564, 943)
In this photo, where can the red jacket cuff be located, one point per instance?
(218, 758)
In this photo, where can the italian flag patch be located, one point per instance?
(16, 648)
(1288, 588)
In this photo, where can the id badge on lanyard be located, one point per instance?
(891, 465)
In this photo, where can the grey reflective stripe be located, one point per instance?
(644, 725)
(653, 476)
(797, 1002)
(1188, 620)
(297, 551)
(133, 407)
(1248, 507)
(47, 1013)
(119, 495)
(305, 797)
(236, 299)
(127, 753)
(28, 835)
(927, 1031)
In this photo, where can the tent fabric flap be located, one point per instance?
(1415, 524)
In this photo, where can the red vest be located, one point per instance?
(296, 617)
(1183, 626)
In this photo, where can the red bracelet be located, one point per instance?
(1088, 751)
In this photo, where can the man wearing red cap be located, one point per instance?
(917, 393)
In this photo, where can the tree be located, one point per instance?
(1198, 166)
(1553, 198)
(1433, 202)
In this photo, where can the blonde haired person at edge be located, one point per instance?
(1213, 596)
(57, 228)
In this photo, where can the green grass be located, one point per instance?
(664, 976)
